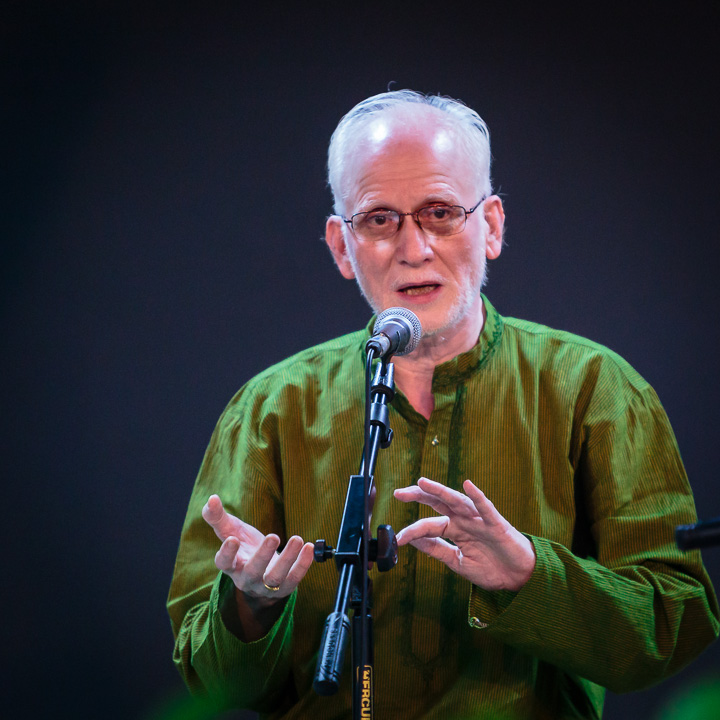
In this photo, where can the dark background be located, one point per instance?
(163, 205)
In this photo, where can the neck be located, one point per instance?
(414, 373)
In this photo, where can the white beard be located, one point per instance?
(467, 296)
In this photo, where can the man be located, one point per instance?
(568, 584)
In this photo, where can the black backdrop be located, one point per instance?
(164, 201)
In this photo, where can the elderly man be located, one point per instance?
(568, 582)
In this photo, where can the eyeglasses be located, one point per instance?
(438, 220)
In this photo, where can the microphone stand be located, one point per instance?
(355, 550)
(700, 535)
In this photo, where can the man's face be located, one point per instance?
(438, 278)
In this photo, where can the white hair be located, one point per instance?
(470, 128)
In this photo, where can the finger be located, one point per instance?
(301, 566)
(439, 549)
(485, 508)
(257, 564)
(226, 525)
(440, 498)
(416, 494)
(279, 566)
(215, 515)
(410, 493)
(226, 556)
(213, 510)
(404, 492)
(428, 527)
(456, 502)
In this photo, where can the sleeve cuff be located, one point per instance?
(237, 673)
(488, 607)
(222, 589)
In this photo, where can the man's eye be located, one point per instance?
(438, 212)
(377, 218)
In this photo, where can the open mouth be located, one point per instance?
(413, 290)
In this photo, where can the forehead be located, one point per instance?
(409, 156)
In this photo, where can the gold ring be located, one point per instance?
(271, 587)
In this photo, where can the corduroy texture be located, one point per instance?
(573, 448)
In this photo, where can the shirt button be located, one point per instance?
(476, 623)
(435, 441)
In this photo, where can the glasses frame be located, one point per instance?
(416, 217)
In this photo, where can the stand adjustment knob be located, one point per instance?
(384, 550)
(385, 442)
(322, 551)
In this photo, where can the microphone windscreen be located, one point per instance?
(407, 318)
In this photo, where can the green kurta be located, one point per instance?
(573, 448)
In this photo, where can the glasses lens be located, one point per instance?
(442, 219)
(376, 225)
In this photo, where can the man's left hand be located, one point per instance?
(487, 549)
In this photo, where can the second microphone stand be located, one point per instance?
(355, 550)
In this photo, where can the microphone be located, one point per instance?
(397, 331)
(701, 534)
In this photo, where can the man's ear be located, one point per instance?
(495, 218)
(335, 239)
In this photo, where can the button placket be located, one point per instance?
(431, 575)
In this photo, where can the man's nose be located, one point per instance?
(413, 245)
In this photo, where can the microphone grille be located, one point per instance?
(410, 319)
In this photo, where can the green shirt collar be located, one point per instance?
(460, 367)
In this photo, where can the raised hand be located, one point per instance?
(487, 549)
(249, 557)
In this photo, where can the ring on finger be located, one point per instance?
(273, 588)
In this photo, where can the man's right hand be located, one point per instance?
(262, 577)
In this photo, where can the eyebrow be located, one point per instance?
(430, 200)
